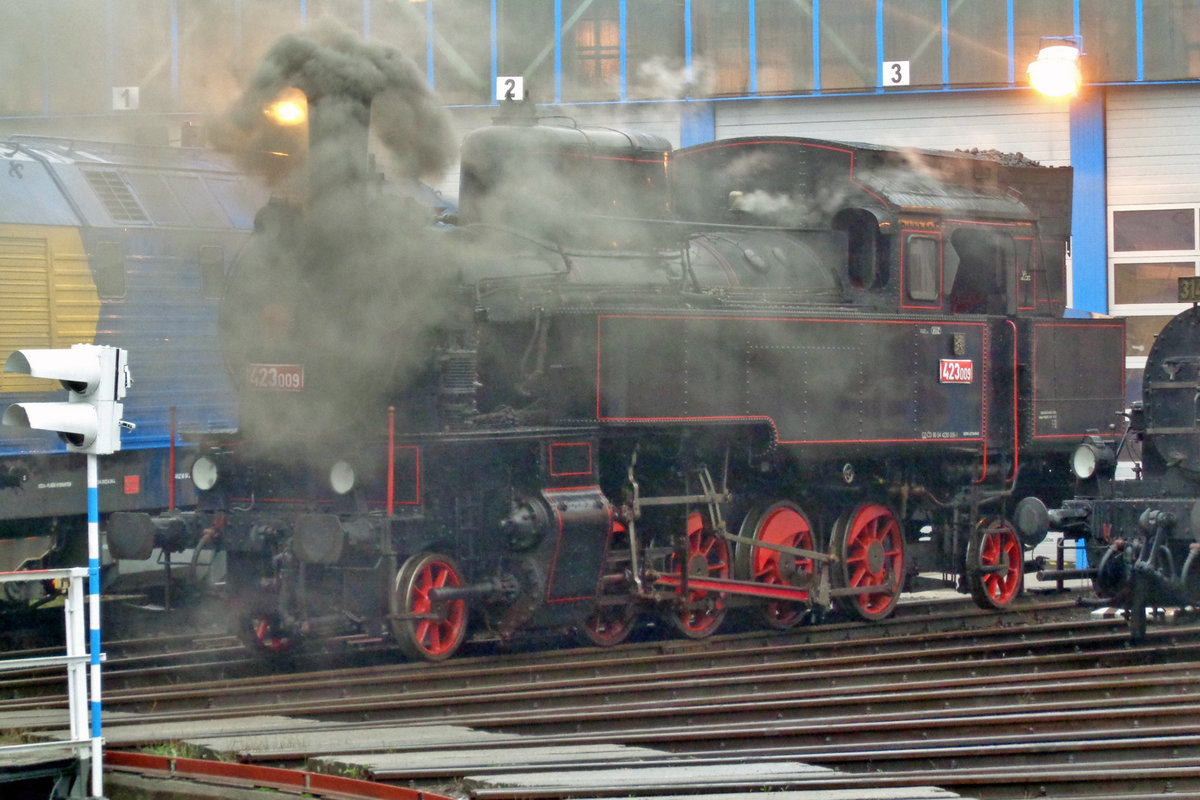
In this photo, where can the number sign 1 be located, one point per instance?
(125, 98)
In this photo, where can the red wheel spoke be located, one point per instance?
(995, 545)
(443, 626)
(871, 547)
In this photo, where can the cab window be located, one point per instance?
(922, 268)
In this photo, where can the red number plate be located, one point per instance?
(277, 377)
(956, 370)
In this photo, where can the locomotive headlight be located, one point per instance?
(341, 477)
(1092, 457)
(289, 108)
(205, 473)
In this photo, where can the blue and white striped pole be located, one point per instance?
(96, 377)
(93, 533)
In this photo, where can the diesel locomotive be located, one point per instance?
(124, 245)
(626, 381)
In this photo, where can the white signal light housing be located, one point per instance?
(96, 378)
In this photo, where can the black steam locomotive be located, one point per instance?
(1142, 535)
(776, 373)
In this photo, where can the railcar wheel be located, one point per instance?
(426, 627)
(995, 565)
(610, 623)
(869, 547)
(263, 635)
(702, 611)
(783, 523)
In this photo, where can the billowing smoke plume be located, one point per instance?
(344, 280)
(341, 74)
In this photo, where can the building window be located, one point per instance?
(598, 53)
(597, 49)
(1149, 249)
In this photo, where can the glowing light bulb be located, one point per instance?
(290, 108)
(1056, 71)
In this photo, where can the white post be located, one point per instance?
(76, 671)
(93, 503)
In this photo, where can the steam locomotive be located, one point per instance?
(772, 373)
(114, 244)
(1143, 534)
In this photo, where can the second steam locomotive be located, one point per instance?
(776, 373)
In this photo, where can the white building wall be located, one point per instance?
(1153, 145)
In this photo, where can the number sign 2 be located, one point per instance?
(510, 88)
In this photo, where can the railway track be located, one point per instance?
(1047, 702)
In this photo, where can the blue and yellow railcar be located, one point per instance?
(124, 245)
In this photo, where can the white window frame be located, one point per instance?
(1149, 257)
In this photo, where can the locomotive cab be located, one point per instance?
(925, 231)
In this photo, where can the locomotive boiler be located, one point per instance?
(627, 381)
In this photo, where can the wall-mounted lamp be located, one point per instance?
(1056, 72)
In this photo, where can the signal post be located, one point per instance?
(96, 378)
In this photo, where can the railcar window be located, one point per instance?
(922, 268)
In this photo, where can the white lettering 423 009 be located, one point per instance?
(279, 377)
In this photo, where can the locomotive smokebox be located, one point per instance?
(1170, 406)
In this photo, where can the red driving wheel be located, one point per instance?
(707, 557)
(786, 525)
(995, 564)
(425, 626)
(610, 622)
(869, 547)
